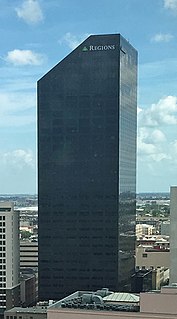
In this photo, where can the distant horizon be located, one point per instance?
(30, 194)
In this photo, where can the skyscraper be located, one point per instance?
(87, 119)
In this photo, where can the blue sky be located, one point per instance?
(37, 34)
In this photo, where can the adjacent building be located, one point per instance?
(9, 253)
(28, 255)
(173, 234)
(148, 279)
(152, 257)
(165, 228)
(87, 123)
(160, 303)
(29, 272)
(26, 313)
(144, 229)
(88, 305)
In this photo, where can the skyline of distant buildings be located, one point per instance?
(147, 277)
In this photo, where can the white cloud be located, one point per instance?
(30, 12)
(18, 159)
(170, 4)
(164, 112)
(150, 143)
(157, 146)
(18, 171)
(158, 136)
(144, 148)
(162, 37)
(152, 153)
(24, 57)
(154, 137)
(71, 40)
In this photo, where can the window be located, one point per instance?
(144, 255)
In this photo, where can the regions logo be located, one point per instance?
(99, 48)
(85, 49)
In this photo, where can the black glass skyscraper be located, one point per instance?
(87, 119)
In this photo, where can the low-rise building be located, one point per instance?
(144, 229)
(98, 304)
(28, 254)
(104, 304)
(165, 228)
(149, 279)
(29, 272)
(26, 313)
(88, 305)
(28, 290)
(152, 257)
(160, 302)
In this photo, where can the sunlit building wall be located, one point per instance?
(10, 257)
(173, 234)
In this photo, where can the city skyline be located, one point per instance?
(38, 34)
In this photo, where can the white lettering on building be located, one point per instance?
(102, 47)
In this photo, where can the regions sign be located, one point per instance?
(99, 47)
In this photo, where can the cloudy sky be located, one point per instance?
(37, 34)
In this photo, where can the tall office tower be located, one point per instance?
(173, 234)
(87, 119)
(10, 257)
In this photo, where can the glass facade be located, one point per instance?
(87, 168)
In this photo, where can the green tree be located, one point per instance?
(25, 234)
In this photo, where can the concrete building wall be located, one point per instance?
(28, 254)
(165, 228)
(153, 259)
(26, 313)
(12, 244)
(173, 234)
(76, 314)
(28, 290)
(160, 303)
(9, 253)
(12, 297)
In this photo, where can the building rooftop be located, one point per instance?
(30, 310)
(122, 297)
(102, 299)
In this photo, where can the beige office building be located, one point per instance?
(173, 234)
(9, 257)
(152, 258)
(28, 254)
